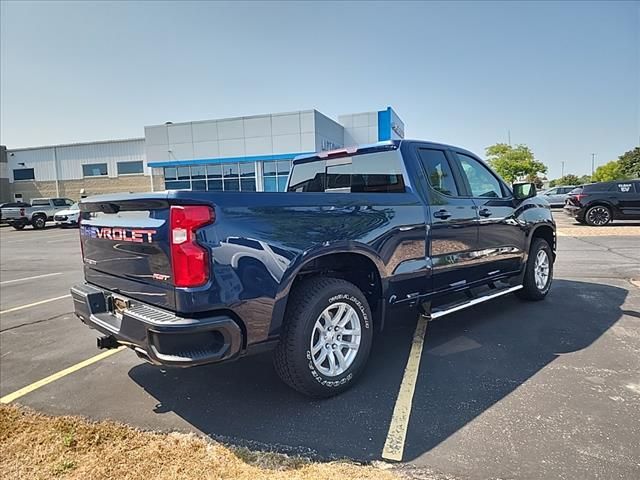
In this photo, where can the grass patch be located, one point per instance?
(38, 446)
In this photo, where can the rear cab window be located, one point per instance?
(377, 172)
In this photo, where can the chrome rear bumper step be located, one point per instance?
(475, 301)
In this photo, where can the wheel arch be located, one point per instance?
(546, 232)
(356, 264)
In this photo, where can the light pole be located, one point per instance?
(562, 169)
(593, 163)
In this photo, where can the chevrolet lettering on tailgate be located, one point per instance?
(137, 235)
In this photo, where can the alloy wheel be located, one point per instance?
(599, 216)
(541, 270)
(335, 339)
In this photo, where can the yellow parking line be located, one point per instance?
(34, 304)
(56, 376)
(394, 445)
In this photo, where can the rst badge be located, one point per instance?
(137, 235)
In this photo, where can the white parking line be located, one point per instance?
(34, 304)
(394, 445)
(22, 240)
(64, 240)
(7, 282)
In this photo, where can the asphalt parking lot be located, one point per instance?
(505, 390)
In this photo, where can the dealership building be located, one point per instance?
(232, 154)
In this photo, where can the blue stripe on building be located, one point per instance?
(216, 161)
(384, 124)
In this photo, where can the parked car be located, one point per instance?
(10, 205)
(360, 233)
(37, 214)
(68, 217)
(557, 196)
(597, 204)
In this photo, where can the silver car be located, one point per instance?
(557, 196)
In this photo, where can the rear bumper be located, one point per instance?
(573, 211)
(158, 336)
(16, 221)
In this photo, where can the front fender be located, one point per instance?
(535, 214)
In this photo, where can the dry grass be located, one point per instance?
(35, 446)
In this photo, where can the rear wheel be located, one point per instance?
(598, 216)
(539, 271)
(326, 337)
(38, 222)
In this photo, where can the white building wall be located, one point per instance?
(279, 133)
(360, 128)
(329, 134)
(70, 158)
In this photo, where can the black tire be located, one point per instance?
(39, 222)
(293, 360)
(598, 216)
(18, 226)
(530, 290)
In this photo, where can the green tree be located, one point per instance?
(568, 179)
(584, 179)
(538, 180)
(609, 171)
(630, 163)
(513, 163)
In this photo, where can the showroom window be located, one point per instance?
(94, 169)
(23, 174)
(228, 177)
(275, 175)
(130, 168)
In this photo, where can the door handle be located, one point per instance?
(485, 212)
(443, 214)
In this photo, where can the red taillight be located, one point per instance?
(579, 196)
(189, 260)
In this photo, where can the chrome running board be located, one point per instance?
(471, 303)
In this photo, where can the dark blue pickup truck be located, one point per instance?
(188, 278)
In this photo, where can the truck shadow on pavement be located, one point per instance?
(471, 360)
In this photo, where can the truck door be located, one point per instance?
(501, 238)
(452, 219)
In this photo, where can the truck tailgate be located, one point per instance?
(125, 246)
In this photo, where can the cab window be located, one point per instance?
(481, 181)
(438, 170)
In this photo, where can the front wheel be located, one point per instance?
(18, 226)
(326, 337)
(538, 274)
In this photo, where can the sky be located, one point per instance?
(560, 77)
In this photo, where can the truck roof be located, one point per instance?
(369, 148)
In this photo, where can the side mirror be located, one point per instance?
(522, 191)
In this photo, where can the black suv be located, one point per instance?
(597, 204)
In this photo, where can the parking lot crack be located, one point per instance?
(14, 327)
(608, 249)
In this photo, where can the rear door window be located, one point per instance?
(439, 173)
(623, 187)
